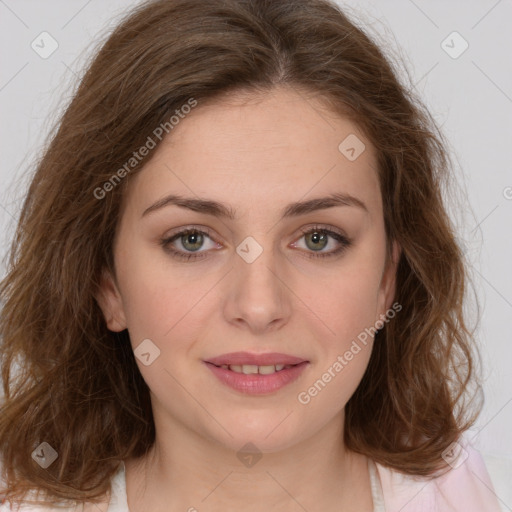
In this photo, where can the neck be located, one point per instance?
(185, 471)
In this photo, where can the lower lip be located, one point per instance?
(256, 384)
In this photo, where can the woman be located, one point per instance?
(234, 282)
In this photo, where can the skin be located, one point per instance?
(255, 154)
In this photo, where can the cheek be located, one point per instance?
(347, 301)
(167, 314)
(156, 302)
(347, 307)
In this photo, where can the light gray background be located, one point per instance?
(470, 97)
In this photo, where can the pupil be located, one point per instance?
(195, 241)
(317, 238)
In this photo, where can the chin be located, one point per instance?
(264, 429)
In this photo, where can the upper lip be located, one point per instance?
(246, 358)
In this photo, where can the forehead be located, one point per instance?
(259, 151)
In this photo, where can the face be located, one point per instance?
(303, 280)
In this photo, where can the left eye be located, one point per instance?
(192, 240)
(317, 238)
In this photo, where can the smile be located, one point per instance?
(257, 379)
(249, 369)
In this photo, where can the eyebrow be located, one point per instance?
(216, 209)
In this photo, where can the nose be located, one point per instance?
(258, 298)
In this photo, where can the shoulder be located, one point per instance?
(466, 487)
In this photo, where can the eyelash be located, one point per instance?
(165, 242)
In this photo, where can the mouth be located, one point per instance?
(256, 374)
(250, 359)
(250, 369)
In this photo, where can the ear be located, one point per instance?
(388, 281)
(110, 302)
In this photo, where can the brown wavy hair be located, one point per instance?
(74, 384)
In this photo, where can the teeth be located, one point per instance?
(249, 369)
(267, 370)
